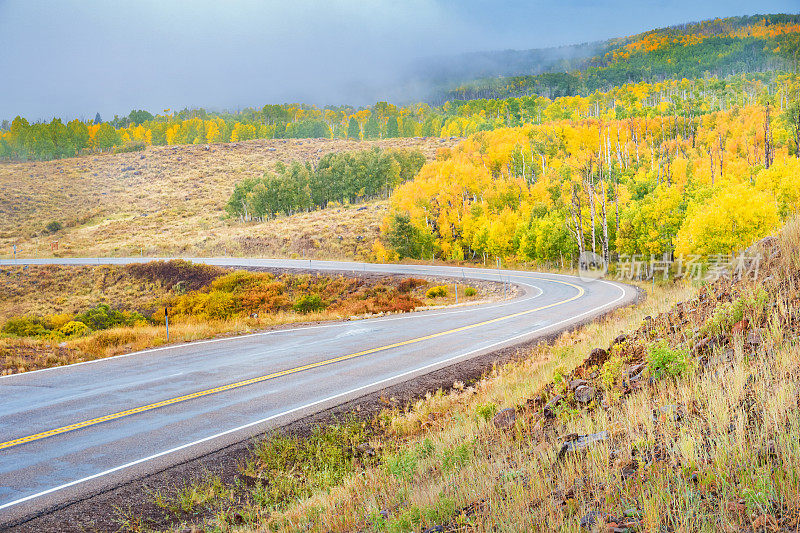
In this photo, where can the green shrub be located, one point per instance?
(53, 226)
(470, 291)
(104, 317)
(309, 303)
(662, 360)
(26, 326)
(751, 305)
(456, 456)
(486, 410)
(402, 466)
(437, 291)
(74, 329)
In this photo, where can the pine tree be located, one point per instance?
(372, 129)
(353, 130)
(392, 130)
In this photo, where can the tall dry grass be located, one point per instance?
(169, 200)
(715, 448)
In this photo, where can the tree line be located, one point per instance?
(338, 177)
(21, 140)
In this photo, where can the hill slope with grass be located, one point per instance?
(171, 201)
(678, 414)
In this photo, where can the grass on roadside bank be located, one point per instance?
(679, 414)
(56, 315)
(390, 468)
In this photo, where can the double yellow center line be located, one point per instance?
(239, 384)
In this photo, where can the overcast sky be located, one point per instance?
(73, 58)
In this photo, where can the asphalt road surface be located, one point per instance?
(75, 430)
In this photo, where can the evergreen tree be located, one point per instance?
(139, 116)
(372, 129)
(392, 130)
(353, 130)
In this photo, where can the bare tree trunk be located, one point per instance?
(767, 139)
(590, 184)
(605, 225)
(577, 217)
(711, 159)
(616, 209)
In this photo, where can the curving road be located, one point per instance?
(70, 431)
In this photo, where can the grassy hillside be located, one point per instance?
(679, 414)
(171, 200)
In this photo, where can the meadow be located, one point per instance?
(167, 201)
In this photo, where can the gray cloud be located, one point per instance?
(75, 57)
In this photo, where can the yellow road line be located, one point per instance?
(238, 384)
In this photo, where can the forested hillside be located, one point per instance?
(617, 174)
(719, 48)
(722, 58)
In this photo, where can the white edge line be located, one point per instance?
(306, 406)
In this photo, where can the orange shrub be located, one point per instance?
(264, 298)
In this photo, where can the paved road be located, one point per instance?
(70, 431)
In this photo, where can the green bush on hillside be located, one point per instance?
(663, 361)
(27, 326)
(104, 317)
(309, 303)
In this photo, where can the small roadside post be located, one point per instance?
(456, 293)
(166, 321)
(15, 252)
(500, 275)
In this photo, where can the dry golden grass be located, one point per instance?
(729, 462)
(714, 448)
(55, 291)
(51, 289)
(170, 200)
